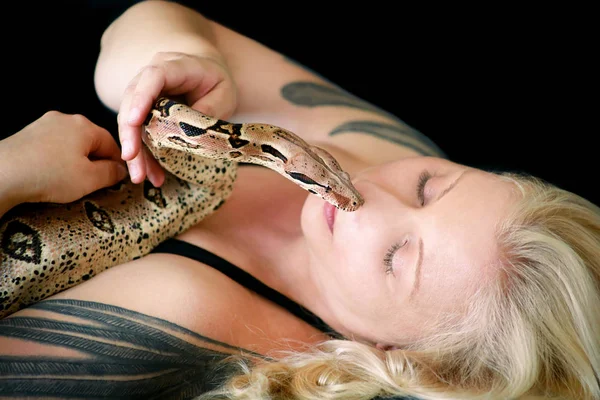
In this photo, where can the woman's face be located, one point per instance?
(419, 246)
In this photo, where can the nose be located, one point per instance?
(362, 174)
(384, 210)
(380, 192)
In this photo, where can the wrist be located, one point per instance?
(9, 197)
(13, 187)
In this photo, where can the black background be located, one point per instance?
(495, 87)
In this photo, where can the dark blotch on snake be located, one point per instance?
(99, 218)
(22, 242)
(154, 195)
(273, 151)
(191, 130)
(305, 179)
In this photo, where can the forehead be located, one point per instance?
(394, 172)
(459, 236)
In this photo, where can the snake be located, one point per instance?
(46, 248)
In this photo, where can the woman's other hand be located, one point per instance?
(59, 158)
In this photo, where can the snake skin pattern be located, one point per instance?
(47, 248)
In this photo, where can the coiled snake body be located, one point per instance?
(47, 248)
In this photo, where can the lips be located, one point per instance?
(329, 211)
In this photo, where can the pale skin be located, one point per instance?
(275, 230)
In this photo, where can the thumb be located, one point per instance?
(106, 173)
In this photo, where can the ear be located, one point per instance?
(385, 347)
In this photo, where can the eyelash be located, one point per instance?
(387, 260)
(389, 255)
(423, 178)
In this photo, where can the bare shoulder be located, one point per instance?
(159, 325)
(160, 285)
(276, 89)
(192, 295)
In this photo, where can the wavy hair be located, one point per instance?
(532, 333)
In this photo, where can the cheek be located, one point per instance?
(358, 279)
(359, 297)
(350, 261)
(361, 251)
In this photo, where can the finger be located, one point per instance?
(137, 168)
(137, 103)
(129, 135)
(149, 86)
(102, 145)
(169, 74)
(104, 173)
(154, 171)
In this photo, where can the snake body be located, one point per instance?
(47, 248)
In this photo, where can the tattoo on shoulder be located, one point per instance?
(122, 354)
(313, 94)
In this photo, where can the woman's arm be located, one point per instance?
(270, 87)
(10, 190)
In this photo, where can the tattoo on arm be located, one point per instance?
(313, 94)
(123, 354)
(401, 135)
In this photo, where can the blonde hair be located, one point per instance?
(534, 332)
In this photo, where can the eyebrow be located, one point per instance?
(420, 256)
(451, 186)
(417, 272)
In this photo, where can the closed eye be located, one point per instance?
(423, 178)
(389, 256)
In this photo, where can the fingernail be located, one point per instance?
(125, 148)
(133, 171)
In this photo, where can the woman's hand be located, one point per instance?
(58, 158)
(203, 83)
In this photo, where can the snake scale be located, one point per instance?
(46, 248)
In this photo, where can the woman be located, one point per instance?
(449, 282)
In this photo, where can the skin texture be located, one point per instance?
(269, 227)
(394, 304)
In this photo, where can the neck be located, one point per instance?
(286, 269)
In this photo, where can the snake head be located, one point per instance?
(327, 180)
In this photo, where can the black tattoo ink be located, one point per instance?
(125, 355)
(313, 94)
(402, 135)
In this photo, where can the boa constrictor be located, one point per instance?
(47, 248)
